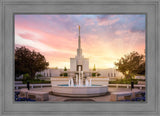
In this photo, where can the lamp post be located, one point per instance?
(28, 85)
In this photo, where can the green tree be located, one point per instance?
(39, 75)
(131, 64)
(27, 61)
(25, 76)
(94, 68)
(65, 74)
(65, 69)
(93, 74)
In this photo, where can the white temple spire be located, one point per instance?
(79, 60)
(79, 50)
(79, 39)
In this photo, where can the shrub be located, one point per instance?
(124, 81)
(39, 75)
(65, 74)
(93, 74)
(26, 76)
(35, 81)
(61, 74)
(98, 74)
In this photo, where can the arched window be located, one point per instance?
(108, 75)
(111, 75)
(114, 74)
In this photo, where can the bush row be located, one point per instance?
(125, 81)
(35, 81)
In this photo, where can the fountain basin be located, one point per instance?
(80, 91)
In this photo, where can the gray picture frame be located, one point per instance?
(10, 7)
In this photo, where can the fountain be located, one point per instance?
(67, 87)
(70, 82)
(79, 89)
(86, 83)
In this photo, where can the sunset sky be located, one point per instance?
(104, 38)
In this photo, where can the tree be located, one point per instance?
(94, 68)
(65, 69)
(27, 61)
(93, 74)
(131, 65)
(65, 74)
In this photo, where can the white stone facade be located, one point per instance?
(79, 60)
(72, 64)
(111, 73)
(99, 81)
(51, 72)
(83, 61)
(58, 81)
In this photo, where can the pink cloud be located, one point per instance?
(27, 36)
(59, 43)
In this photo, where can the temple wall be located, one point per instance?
(72, 64)
(59, 80)
(85, 64)
(99, 81)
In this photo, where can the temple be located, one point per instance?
(79, 61)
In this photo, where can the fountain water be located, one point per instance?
(76, 78)
(69, 82)
(90, 83)
(78, 89)
(72, 83)
(86, 83)
(79, 80)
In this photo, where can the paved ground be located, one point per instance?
(104, 98)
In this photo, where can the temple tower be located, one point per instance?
(79, 60)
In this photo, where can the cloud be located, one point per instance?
(34, 44)
(107, 20)
(104, 17)
(136, 28)
(89, 21)
(104, 38)
(139, 23)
